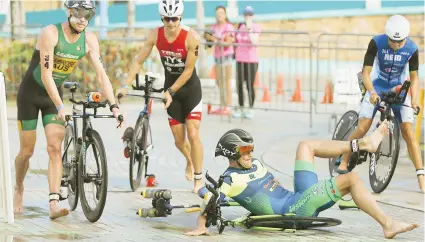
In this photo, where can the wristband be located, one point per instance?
(60, 107)
(170, 91)
(113, 106)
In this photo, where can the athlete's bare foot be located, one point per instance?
(56, 211)
(198, 185)
(189, 171)
(371, 143)
(201, 229)
(18, 207)
(421, 183)
(197, 232)
(395, 227)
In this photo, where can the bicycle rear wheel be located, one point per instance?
(70, 166)
(138, 165)
(346, 125)
(290, 222)
(97, 176)
(384, 161)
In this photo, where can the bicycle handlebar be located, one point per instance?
(143, 88)
(71, 85)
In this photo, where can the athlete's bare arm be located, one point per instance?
(192, 44)
(46, 43)
(93, 54)
(141, 57)
(413, 68)
(369, 58)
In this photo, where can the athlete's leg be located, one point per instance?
(27, 139)
(350, 183)
(360, 131)
(197, 151)
(414, 151)
(183, 146)
(178, 129)
(55, 131)
(309, 149)
(27, 125)
(220, 76)
(228, 71)
(367, 111)
(193, 123)
(405, 117)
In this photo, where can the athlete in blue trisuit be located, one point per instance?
(249, 183)
(388, 58)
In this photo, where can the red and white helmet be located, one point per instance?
(171, 8)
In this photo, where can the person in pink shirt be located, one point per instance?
(223, 36)
(246, 56)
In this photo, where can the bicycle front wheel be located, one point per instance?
(384, 161)
(70, 166)
(346, 125)
(93, 180)
(290, 222)
(139, 143)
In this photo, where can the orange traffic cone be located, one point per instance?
(209, 108)
(296, 96)
(328, 96)
(212, 72)
(279, 84)
(266, 95)
(257, 82)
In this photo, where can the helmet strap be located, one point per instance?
(242, 165)
(74, 31)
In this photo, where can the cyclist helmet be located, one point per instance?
(234, 143)
(171, 8)
(397, 28)
(88, 7)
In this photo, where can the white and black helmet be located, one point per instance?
(87, 4)
(232, 141)
(171, 8)
(397, 28)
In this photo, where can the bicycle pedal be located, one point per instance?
(128, 134)
(362, 157)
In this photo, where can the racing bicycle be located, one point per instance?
(77, 175)
(162, 208)
(139, 140)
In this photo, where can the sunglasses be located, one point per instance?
(87, 14)
(248, 14)
(171, 19)
(245, 149)
(396, 41)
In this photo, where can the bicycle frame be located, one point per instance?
(87, 126)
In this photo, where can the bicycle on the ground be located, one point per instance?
(163, 208)
(139, 140)
(76, 173)
(389, 156)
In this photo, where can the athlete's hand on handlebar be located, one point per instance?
(122, 92)
(374, 98)
(61, 114)
(168, 98)
(416, 107)
(117, 114)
